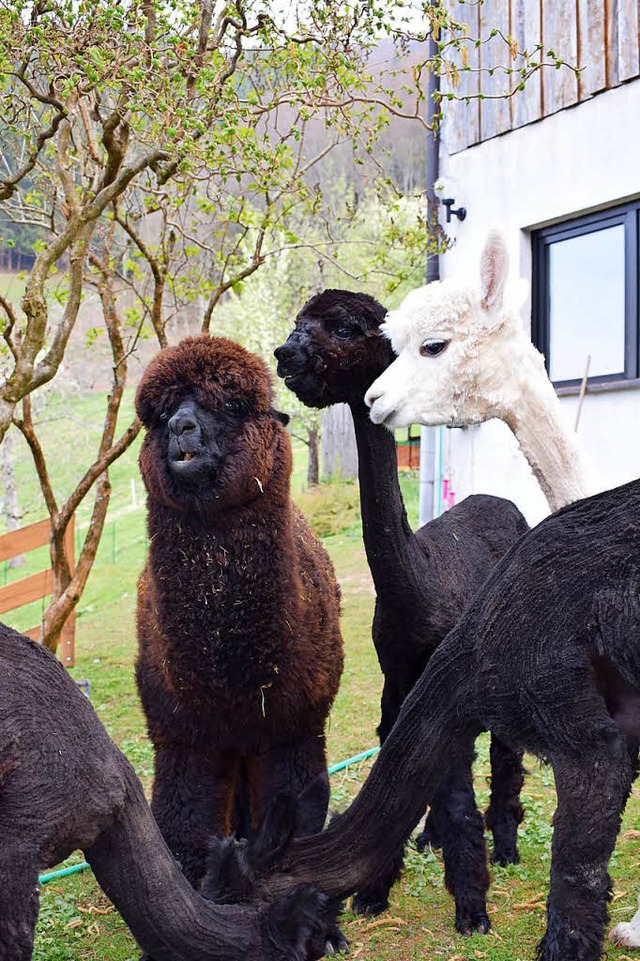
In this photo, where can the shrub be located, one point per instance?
(332, 507)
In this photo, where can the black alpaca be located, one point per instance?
(548, 657)
(423, 581)
(65, 785)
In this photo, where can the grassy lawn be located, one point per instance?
(12, 285)
(77, 923)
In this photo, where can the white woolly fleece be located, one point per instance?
(627, 933)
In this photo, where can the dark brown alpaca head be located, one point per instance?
(336, 350)
(213, 440)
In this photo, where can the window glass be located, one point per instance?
(587, 304)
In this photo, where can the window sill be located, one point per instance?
(624, 383)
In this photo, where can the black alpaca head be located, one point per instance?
(213, 440)
(336, 349)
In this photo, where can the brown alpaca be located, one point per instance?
(240, 652)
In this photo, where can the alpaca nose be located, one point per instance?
(285, 352)
(372, 396)
(290, 356)
(182, 422)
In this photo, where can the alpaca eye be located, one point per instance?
(235, 406)
(431, 348)
(345, 332)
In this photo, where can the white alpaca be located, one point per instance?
(463, 358)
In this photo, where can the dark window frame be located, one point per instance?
(627, 215)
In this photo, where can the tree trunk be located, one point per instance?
(339, 452)
(68, 587)
(11, 504)
(313, 467)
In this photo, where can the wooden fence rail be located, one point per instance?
(37, 586)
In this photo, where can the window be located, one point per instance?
(585, 296)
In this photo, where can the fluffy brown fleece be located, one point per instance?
(240, 652)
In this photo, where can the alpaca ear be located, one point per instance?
(279, 415)
(494, 266)
(228, 878)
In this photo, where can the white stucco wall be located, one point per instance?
(581, 159)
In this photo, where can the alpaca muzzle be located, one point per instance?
(291, 356)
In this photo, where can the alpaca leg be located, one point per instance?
(505, 812)
(429, 837)
(299, 768)
(19, 903)
(375, 898)
(390, 704)
(393, 695)
(626, 934)
(464, 851)
(193, 801)
(592, 791)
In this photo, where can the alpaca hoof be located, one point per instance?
(626, 934)
(336, 942)
(469, 924)
(427, 839)
(501, 857)
(301, 924)
(368, 904)
(429, 836)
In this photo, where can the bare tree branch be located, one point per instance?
(12, 319)
(9, 185)
(27, 429)
(203, 39)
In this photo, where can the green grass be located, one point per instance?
(12, 285)
(77, 923)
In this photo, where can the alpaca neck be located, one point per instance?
(388, 539)
(227, 524)
(552, 448)
(166, 916)
(207, 553)
(437, 716)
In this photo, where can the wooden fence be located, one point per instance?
(408, 451)
(39, 585)
(599, 36)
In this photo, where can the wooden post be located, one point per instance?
(583, 390)
(67, 649)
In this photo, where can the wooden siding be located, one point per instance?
(599, 36)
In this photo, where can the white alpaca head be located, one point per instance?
(457, 348)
